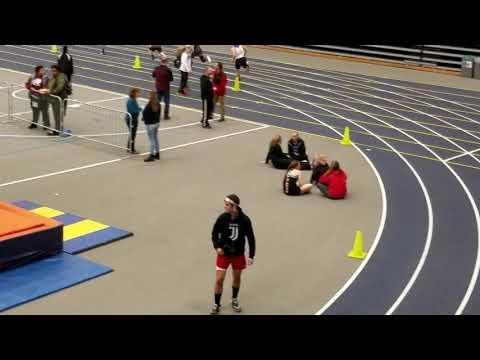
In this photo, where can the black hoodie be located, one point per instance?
(297, 151)
(229, 234)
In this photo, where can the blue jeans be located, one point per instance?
(152, 132)
(165, 95)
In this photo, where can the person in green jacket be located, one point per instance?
(57, 86)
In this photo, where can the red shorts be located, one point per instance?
(238, 262)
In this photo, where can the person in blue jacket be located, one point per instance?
(134, 110)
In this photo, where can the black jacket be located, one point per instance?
(229, 234)
(206, 87)
(301, 150)
(150, 117)
(65, 63)
(318, 171)
(275, 153)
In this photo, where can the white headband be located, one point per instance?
(230, 201)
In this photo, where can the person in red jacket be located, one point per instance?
(333, 184)
(219, 89)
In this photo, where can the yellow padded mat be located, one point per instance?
(47, 212)
(81, 228)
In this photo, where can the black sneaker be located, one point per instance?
(166, 117)
(207, 126)
(215, 309)
(150, 158)
(32, 126)
(157, 156)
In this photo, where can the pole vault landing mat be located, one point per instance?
(46, 276)
(79, 234)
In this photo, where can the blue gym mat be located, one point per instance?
(46, 276)
(97, 234)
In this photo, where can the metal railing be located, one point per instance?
(78, 120)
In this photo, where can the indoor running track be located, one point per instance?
(422, 141)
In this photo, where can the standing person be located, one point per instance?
(134, 110)
(37, 86)
(293, 183)
(228, 237)
(151, 118)
(57, 86)
(333, 184)
(206, 92)
(185, 68)
(65, 63)
(163, 77)
(239, 55)
(319, 167)
(220, 88)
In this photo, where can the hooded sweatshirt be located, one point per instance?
(336, 181)
(229, 234)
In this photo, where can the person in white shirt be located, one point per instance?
(239, 54)
(185, 68)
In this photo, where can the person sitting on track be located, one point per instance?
(293, 183)
(333, 184)
(297, 150)
(279, 159)
(319, 167)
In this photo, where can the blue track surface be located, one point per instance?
(423, 122)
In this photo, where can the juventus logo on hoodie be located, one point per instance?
(233, 231)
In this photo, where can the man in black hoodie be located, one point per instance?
(206, 92)
(228, 237)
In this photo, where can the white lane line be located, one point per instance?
(464, 187)
(461, 155)
(135, 78)
(128, 157)
(377, 238)
(126, 85)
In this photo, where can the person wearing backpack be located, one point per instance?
(57, 86)
(65, 63)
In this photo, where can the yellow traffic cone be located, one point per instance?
(236, 84)
(54, 49)
(346, 137)
(357, 251)
(137, 65)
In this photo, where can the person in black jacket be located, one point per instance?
(206, 92)
(151, 118)
(296, 148)
(319, 167)
(279, 159)
(228, 237)
(65, 62)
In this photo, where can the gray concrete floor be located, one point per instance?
(170, 206)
